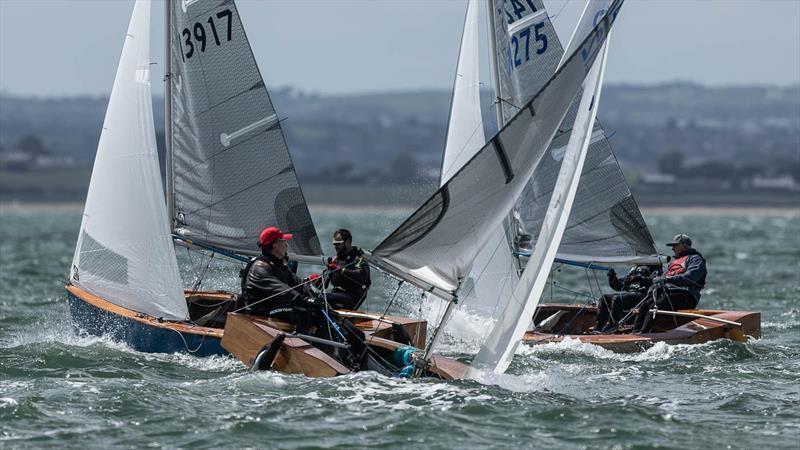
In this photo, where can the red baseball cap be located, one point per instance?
(272, 234)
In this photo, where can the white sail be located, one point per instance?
(497, 352)
(465, 134)
(436, 246)
(494, 272)
(124, 252)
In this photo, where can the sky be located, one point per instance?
(69, 48)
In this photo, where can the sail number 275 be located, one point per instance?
(198, 32)
(524, 39)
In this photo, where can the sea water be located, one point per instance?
(60, 390)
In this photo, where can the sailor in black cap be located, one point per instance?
(679, 288)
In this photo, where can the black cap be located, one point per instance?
(680, 239)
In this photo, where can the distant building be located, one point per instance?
(15, 160)
(784, 183)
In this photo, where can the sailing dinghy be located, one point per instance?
(229, 175)
(604, 224)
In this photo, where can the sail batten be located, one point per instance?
(232, 171)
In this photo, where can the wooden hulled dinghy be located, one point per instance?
(249, 338)
(575, 322)
(244, 335)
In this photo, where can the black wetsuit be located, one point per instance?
(350, 281)
(267, 277)
(630, 291)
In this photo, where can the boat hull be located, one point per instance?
(576, 321)
(94, 316)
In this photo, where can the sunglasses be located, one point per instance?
(337, 242)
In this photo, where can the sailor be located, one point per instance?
(271, 289)
(630, 290)
(679, 288)
(348, 273)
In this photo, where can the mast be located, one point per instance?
(498, 107)
(510, 224)
(168, 112)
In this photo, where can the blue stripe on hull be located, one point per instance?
(141, 337)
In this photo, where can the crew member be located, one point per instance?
(270, 289)
(630, 290)
(679, 288)
(348, 273)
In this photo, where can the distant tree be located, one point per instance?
(32, 145)
(403, 168)
(671, 163)
(713, 169)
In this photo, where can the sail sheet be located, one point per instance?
(124, 252)
(605, 223)
(496, 353)
(232, 174)
(436, 246)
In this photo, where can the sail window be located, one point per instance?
(101, 261)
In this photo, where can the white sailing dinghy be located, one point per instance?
(229, 175)
(434, 249)
(604, 226)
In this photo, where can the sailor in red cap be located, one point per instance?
(270, 289)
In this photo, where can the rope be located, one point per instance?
(285, 290)
(383, 316)
(186, 345)
(553, 17)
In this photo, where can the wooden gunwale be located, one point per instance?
(696, 331)
(142, 318)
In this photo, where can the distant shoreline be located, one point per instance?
(331, 208)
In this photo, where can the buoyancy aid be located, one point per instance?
(677, 266)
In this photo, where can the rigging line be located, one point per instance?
(464, 147)
(202, 275)
(577, 293)
(283, 291)
(553, 17)
(589, 282)
(478, 279)
(283, 171)
(186, 344)
(383, 316)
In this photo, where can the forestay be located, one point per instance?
(231, 170)
(605, 223)
(494, 273)
(124, 252)
(435, 247)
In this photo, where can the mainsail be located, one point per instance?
(605, 223)
(231, 174)
(124, 252)
(435, 247)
